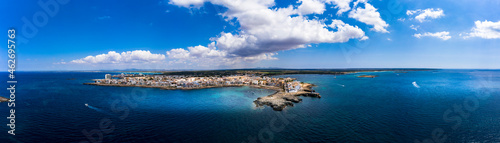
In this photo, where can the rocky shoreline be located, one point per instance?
(281, 99)
(278, 101)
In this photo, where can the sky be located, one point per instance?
(53, 35)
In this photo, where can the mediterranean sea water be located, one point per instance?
(440, 105)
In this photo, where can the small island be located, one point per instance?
(367, 76)
(287, 89)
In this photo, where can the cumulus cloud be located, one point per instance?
(210, 56)
(347, 30)
(426, 14)
(187, 3)
(414, 27)
(441, 35)
(112, 57)
(369, 15)
(178, 54)
(486, 30)
(265, 30)
(318, 6)
(341, 5)
(311, 6)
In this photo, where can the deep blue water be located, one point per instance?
(50, 107)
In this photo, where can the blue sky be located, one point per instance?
(220, 34)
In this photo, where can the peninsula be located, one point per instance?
(287, 90)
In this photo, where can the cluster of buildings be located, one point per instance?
(180, 82)
(293, 86)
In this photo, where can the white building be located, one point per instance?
(294, 86)
(255, 82)
(107, 76)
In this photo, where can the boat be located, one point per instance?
(86, 104)
(415, 84)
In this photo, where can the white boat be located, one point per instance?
(86, 104)
(415, 84)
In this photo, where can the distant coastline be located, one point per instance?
(273, 72)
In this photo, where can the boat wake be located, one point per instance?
(341, 85)
(97, 109)
(415, 84)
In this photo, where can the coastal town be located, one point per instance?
(190, 82)
(287, 89)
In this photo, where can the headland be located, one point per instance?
(287, 90)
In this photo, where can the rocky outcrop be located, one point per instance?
(367, 76)
(280, 100)
(3, 99)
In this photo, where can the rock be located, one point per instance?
(367, 76)
(3, 99)
(280, 100)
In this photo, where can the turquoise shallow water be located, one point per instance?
(51, 107)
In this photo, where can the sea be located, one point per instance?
(412, 106)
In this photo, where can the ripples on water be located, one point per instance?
(388, 108)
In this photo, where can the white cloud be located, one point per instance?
(311, 6)
(178, 53)
(266, 56)
(347, 30)
(370, 16)
(486, 30)
(359, 1)
(411, 12)
(414, 27)
(441, 35)
(209, 56)
(187, 3)
(424, 15)
(112, 57)
(265, 30)
(341, 5)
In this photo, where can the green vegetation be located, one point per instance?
(271, 72)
